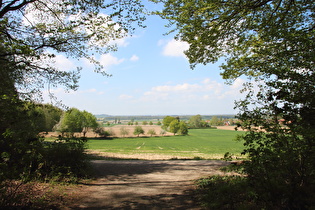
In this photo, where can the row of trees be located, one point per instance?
(143, 123)
(195, 121)
(138, 130)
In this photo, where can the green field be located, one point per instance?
(202, 143)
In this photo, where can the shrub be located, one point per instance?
(226, 192)
(64, 159)
(151, 132)
(138, 130)
(102, 132)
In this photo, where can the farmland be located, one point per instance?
(200, 143)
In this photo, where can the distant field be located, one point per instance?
(202, 143)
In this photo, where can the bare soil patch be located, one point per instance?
(141, 184)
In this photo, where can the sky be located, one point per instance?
(150, 76)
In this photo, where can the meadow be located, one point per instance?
(200, 143)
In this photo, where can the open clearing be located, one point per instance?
(154, 183)
(139, 184)
(199, 144)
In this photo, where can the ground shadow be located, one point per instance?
(103, 169)
(187, 200)
(141, 184)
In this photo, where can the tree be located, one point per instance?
(183, 129)
(123, 131)
(166, 122)
(46, 116)
(174, 126)
(102, 132)
(75, 120)
(195, 121)
(216, 121)
(151, 132)
(71, 122)
(89, 122)
(138, 130)
(271, 43)
(34, 31)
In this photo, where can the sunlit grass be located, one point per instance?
(203, 143)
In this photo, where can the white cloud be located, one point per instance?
(238, 83)
(205, 90)
(134, 58)
(108, 60)
(125, 97)
(179, 87)
(63, 63)
(174, 48)
(122, 42)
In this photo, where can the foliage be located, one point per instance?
(123, 131)
(197, 122)
(151, 132)
(18, 140)
(272, 44)
(34, 31)
(89, 122)
(75, 120)
(174, 126)
(226, 192)
(183, 129)
(31, 34)
(216, 121)
(26, 156)
(102, 132)
(138, 130)
(64, 159)
(167, 121)
(46, 116)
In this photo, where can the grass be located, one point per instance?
(201, 143)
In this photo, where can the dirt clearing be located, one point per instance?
(141, 184)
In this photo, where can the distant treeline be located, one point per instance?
(105, 117)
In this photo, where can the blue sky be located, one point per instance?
(150, 76)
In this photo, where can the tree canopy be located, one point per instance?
(271, 43)
(32, 33)
(75, 120)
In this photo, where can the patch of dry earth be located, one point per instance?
(141, 184)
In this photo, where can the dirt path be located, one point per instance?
(140, 184)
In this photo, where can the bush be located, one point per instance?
(102, 132)
(64, 159)
(138, 130)
(226, 192)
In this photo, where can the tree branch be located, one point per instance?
(10, 6)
